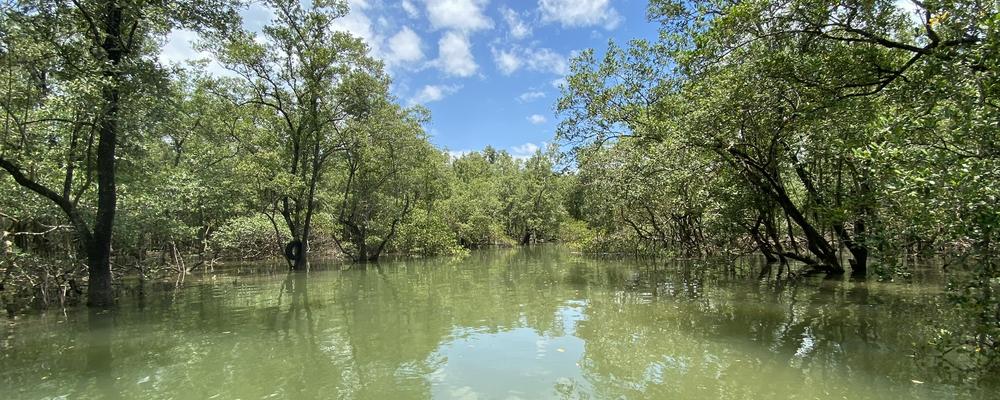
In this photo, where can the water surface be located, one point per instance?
(538, 323)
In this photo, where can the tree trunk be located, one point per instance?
(301, 261)
(762, 244)
(99, 249)
(99, 292)
(361, 247)
(770, 183)
(772, 233)
(859, 251)
(815, 242)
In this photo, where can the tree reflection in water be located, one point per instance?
(530, 323)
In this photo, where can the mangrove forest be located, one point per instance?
(728, 199)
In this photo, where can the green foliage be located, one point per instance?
(302, 134)
(499, 200)
(800, 129)
(427, 234)
(576, 233)
(251, 237)
(474, 208)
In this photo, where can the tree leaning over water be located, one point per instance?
(75, 73)
(850, 133)
(859, 126)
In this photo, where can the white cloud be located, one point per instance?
(536, 119)
(455, 154)
(358, 24)
(558, 83)
(455, 55)
(525, 150)
(539, 60)
(179, 49)
(411, 9)
(507, 61)
(518, 29)
(461, 15)
(405, 47)
(580, 13)
(547, 60)
(531, 96)
(256, 15)
(432, 93)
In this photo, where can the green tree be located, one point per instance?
(76, 73)
(384, 162)
(304, 75)
(473, 210)
(534, 208)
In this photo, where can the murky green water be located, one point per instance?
(514, 324)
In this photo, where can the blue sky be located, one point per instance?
(487, 69)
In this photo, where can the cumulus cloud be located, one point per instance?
(558, 83)
(518, 29)
(530, 96)
(456, 154)
(538, 60)
(546, 60)
(256, 15)
(405, 47)
(536, 119)
(411, 9)
(525, 150)
(179, 49)
(432, 93)
(460, 15)
(580, 13)
(362, 21)
(358, 24)
(455, 55)
(507, 61)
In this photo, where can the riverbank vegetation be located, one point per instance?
(848, 136)
(832, 136)
(115, 164)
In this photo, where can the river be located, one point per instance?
(533, 323)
